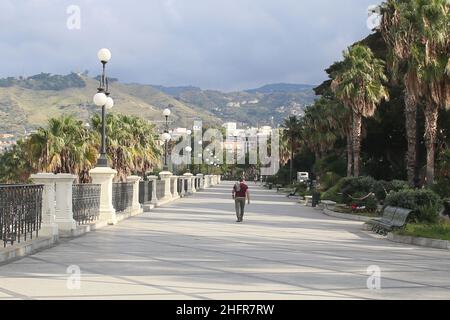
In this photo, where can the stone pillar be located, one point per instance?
(206, 182)
(63, 194)
(165, 176)
(153, 179)
(183, 192)
(194, 190)
(200, 179)
(188, 177)
(104, 177)
(49, 226)
(174, 183)
(136, 206)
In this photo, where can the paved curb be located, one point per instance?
(25, 249)
(422, 242)
(82, 229)
(21, 250)
(346, 216)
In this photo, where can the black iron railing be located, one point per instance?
(20, 212)
(122, 196)
(145, 191)
(160, 188)
(86, 202)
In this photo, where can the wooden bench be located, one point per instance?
(393, 218)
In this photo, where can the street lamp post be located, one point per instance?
(102, 99)
(166, 137)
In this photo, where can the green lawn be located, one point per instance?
(439, 231)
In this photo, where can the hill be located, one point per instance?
(267, 105)
(27, 103)
(282, 88)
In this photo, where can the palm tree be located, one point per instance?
(418, 31)
(15, 166)
(65, 146)
(291, 135)
(399, 34)
(431, 55)
(131, 143)
(323, 124)
(358, 84)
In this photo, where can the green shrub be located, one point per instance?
(371, 203)
(282, 176)
(271, 179)
(352, 186)
(425, 203)
(329, 180)
(334, 193)
(331, 163)
(361, 199)
(301, 189)
(442, 187)
(383, 188)
(346, 190)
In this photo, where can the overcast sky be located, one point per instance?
(213, 44)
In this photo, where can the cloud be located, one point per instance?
(219, 44)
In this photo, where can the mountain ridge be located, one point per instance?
(27, 103)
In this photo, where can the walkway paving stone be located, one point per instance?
(194, 249)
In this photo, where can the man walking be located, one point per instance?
(240, 194)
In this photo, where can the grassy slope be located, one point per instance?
(20, 108)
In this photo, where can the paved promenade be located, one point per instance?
(194, 249)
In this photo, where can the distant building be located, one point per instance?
(230, 127)
(7, 141)
(178, 132)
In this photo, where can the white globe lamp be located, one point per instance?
(104, 55)
(100, 99)
(109, 103)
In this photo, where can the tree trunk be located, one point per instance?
(291, 167)
(357, 121)
(431, 117)
(411, 137)
(349, 156)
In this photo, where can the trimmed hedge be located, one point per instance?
(425, 203)
(383, 188)
(370, 202)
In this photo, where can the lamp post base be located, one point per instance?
(102, 161)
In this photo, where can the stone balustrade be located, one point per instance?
(57, 212)
(58, 219)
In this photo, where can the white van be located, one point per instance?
(302, 176)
